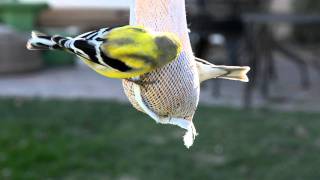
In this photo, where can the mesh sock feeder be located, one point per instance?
(173, 97)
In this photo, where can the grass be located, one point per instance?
(53, 139)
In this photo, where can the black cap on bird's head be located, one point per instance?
(169, 46)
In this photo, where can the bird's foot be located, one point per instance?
(142, 83)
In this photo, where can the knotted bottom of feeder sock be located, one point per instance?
(191, 133)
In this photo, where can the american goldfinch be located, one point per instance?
(121, 52)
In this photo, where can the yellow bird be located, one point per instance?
(122, 52)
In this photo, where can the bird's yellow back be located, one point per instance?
(135, 46)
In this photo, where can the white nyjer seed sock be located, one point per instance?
(191, 133)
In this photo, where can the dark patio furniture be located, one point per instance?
(223, 17)
(261, 44)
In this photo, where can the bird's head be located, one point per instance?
(169, 47)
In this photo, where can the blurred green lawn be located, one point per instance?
(55, 139)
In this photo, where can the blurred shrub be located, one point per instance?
(307, 33)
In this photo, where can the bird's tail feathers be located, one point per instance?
(40, 41)
(208, 71)
(238, 73)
